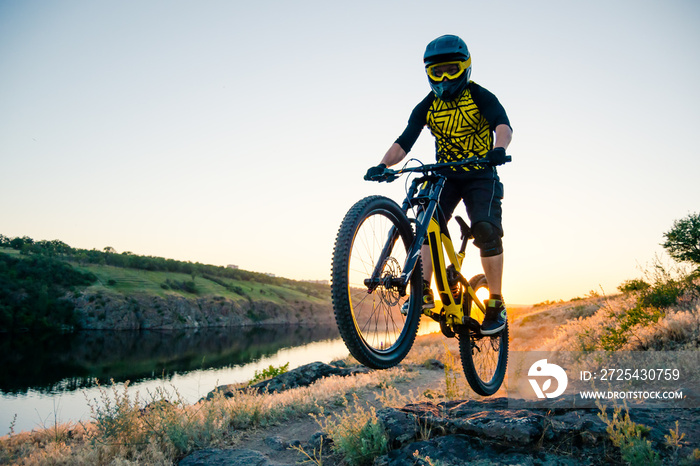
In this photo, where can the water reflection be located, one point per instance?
(44, 378)
(58, 363)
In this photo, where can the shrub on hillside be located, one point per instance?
(633, 285)
(663, 316)
(33, 290)
(188, 286)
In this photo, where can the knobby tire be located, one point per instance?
(484, 358)
(371, 324)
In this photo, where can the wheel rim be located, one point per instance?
(485, 356)
(377, 315)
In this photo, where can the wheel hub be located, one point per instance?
(388, 290)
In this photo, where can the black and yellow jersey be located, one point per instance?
(462, 128)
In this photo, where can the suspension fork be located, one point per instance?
(376, 278)
(422, 223)
(401, 283)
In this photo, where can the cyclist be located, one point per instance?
(466, 120)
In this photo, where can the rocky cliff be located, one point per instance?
(103, 311)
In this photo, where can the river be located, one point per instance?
(48, 379)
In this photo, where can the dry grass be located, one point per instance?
(622, 324)
(530, 328)
(160, 429)
(128, 430)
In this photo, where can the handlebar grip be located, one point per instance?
(387, 175)
(509, 158)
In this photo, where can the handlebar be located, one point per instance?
(390, 175)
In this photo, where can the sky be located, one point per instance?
(230, 132)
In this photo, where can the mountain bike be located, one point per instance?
(377, 280)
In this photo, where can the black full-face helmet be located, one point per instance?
(448, 65)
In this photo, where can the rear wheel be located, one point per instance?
(484, 358)
(377, 322)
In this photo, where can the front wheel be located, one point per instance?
(484, 358)
(377, 320)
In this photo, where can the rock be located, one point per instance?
(300, 377)
(114, 311)
(276, 443)
(488, 432)
(434, 364)
(319, 440)
(485, 432)
(514, 427)
(450, 450)
(399, 425)
(279, 443)
(216, 457)
(425, 420)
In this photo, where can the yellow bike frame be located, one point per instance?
(440, 244)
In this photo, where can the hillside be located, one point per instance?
(49, 285)
(142, 299)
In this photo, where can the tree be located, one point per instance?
(683, 240)
(51, 248)
(19, 243)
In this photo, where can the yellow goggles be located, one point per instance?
(448, 70)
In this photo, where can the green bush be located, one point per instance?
(633, 285)
(628, 436)
(651, 304)
(663, 294)
(619, 332)
(269, 373)
(188, 286)
(357, 434)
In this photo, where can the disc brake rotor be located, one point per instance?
(388, 291)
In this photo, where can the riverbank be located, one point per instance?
(416, 413)
(48, 377)
(421, 412)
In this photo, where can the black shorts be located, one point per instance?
(481, 195)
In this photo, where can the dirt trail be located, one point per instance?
(424, 380)
(529, 329)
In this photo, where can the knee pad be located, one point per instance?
(487, 238)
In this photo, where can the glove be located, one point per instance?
(375, 172)
(497, 156)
